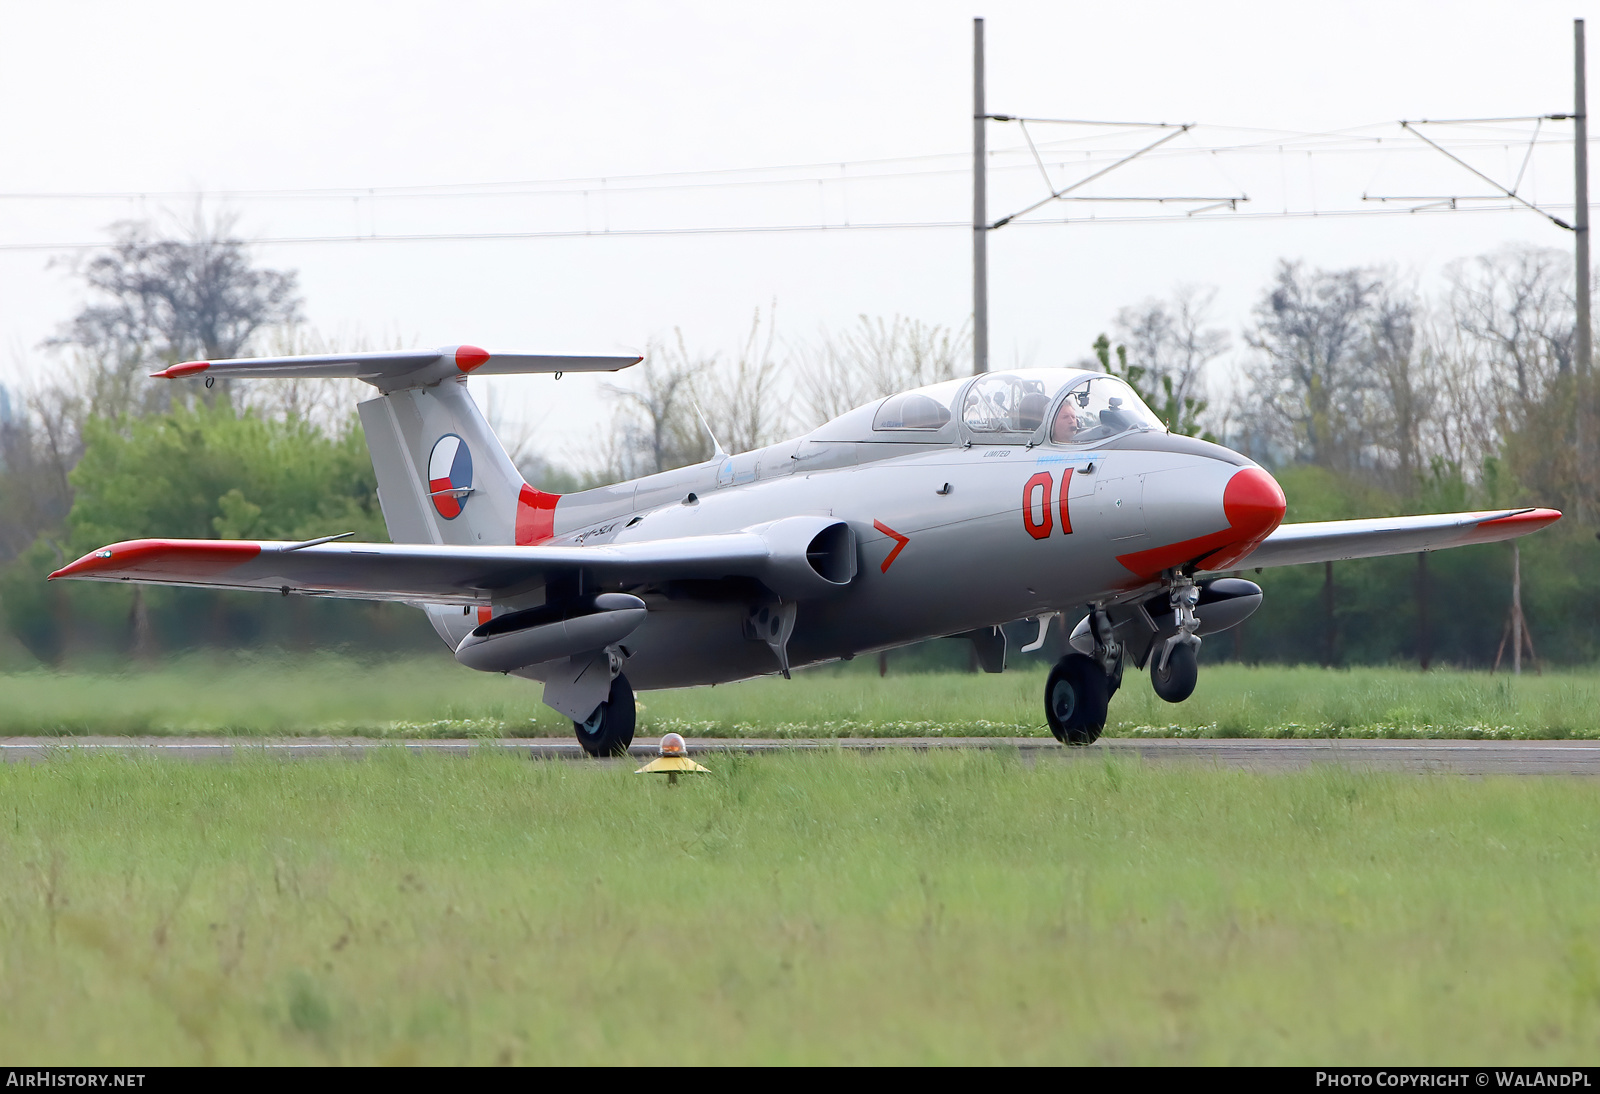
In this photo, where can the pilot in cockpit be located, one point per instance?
(1065, 428)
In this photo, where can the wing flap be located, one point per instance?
(1337, 540)
(422, 572)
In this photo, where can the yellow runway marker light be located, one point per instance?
(674, 759)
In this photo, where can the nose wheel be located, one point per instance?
(609, 730)
(1175, 664)
(1076, 695)
(1175, 680)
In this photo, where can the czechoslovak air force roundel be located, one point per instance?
(450, 475)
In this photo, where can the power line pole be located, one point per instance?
(1580, 224)
(1516, 609)
(1516, 629)
(981, 227)
(980, 212)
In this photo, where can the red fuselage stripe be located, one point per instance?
(536, 516)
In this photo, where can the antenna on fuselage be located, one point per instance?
(718, 452)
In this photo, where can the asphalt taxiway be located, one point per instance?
(1462, 757)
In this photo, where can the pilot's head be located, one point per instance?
(1065, 427)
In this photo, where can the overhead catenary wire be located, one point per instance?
(773, 229)
(1272, 141)
(1096, 154)
(1510, 193)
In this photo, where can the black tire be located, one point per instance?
(609, 730)
(1075, 699)
(1176, 682)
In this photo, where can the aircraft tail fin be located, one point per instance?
(443, 476)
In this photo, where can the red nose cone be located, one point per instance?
(1253, 503)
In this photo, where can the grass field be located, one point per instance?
(929, 908)
(435, 697)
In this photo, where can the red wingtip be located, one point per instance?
(470, 357)
(159, 558)
(94, 560)
(1533, 518)
(185, 368)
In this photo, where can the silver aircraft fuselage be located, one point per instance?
(957, 531)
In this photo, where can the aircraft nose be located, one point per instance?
(1253, 502)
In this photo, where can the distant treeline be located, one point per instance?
(1363, 397)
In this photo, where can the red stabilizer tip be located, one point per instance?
(470, 357)
(174, 372)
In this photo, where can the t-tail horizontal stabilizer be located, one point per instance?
(391, 370)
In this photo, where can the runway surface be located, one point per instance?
(1253, 754)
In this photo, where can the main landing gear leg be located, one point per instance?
(1079, 689)
(1175, 669)
(609, 730)
(1107, 650)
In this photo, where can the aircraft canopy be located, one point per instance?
(1063, 405)
(1098, 408)
(1094, 407)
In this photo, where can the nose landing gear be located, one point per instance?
(1175, 669)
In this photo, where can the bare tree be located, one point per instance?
(874, 358)
(1165, 348)
(155, 300)
(1465, 425)
(655, 427)
(747, 399)
(1514, 322)
(162, 300)
(34, 492)
(742, 400)
(1406, 369)
(1515, 302)
(1311, 382)
(325, 403)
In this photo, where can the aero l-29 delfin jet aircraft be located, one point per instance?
(947, 510)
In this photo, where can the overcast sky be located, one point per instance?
(166, 99)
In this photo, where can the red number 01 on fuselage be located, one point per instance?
(1043, 485)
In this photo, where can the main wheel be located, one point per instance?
(1176, 682)
(1075, 700)
(609, 730)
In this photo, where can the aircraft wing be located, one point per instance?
(1337, 540)
(415, 572)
